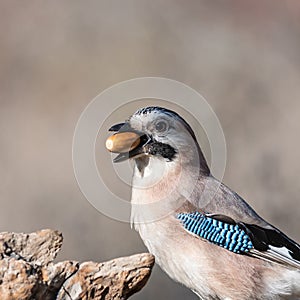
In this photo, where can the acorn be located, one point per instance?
(122, 142)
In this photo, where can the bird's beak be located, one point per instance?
(127, 142)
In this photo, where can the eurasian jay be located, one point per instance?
(203, 234)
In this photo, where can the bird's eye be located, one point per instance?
(161, 126)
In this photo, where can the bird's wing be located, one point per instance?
(265, 243)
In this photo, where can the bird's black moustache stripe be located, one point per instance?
(164, 150)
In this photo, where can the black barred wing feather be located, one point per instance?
(227, 235)
(268, 244)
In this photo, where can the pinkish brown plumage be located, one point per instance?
(171, 176)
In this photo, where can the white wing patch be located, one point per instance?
(283, 251)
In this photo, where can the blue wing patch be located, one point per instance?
(228, 236)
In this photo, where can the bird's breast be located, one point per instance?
(174, 252)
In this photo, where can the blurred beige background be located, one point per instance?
(55, 56)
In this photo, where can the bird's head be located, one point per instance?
(156, 133)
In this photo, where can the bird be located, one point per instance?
(202, 233)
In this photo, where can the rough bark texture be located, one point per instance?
(27, 271)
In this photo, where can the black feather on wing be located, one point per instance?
(268, 243)
(263, 238)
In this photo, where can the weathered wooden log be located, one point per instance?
(27, 271)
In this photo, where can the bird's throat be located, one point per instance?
(141, 163)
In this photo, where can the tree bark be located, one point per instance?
(27, 271)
